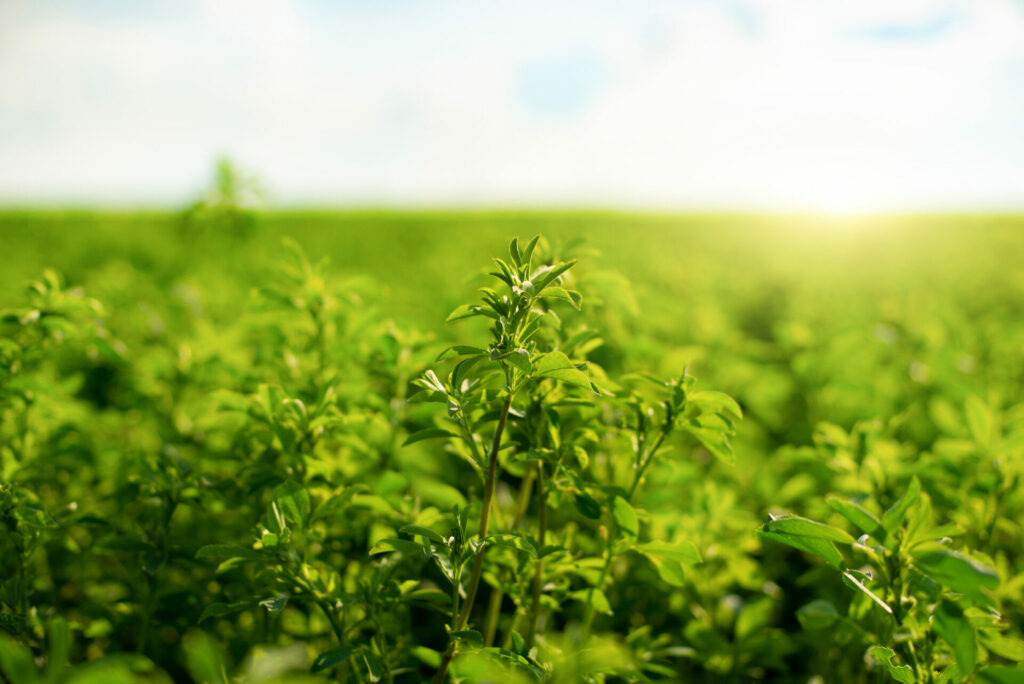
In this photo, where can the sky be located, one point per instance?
(782, 105)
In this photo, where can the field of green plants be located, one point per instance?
(410, 447)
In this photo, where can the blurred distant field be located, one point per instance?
(679, 268)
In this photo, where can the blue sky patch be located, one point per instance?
(562, 86)
(926, 29)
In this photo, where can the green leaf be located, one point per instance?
(461, 370)
(681, 552)
(795, 525)
(816, 615)
(571, 296)
(16, 662)
(430, 596)
(754, 618)
(204, 658)
(527, 253)
(625, 516)
(951, 624)
(864, 519)
(517, 542)
(393, 544)
(427, 656)
(901, 673)
(1003, 645)
(220, 609)
(716, 402)
(893, 517)
(546, 275)
(979, 420)
(822, 548)
(557, 366)
(459, 350)
(715, 441)
(427, 433)
(671, 572)
(600, 602)
(596, 597)
(956, 571)
(431, 382)
(588, 506)
(275, 604)
(33, 515)
(1001, 674)
(293, 501)
(422, 532)
(329, 659)
(468, 311)
(374, 667)
(513, 251)
(520, 358)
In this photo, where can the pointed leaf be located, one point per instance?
(716, 402)
(951, 624)
(293, 500)
(795, 525)
(329, 659)
(864, 519)
(822, 548)
(956, 571)
(428, 433)
(901, 673)
(893, 517)
(557, 366)
(681, 552)
(624, 516)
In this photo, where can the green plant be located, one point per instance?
(249, 465)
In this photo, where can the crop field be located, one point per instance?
(513, 446)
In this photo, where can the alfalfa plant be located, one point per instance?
(523, 402)
(517, 360)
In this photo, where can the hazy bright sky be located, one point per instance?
(777, 104)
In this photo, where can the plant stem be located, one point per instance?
(456, 585)
(588, 617)
(485, 518)
(333, 619)
(538, 573)
(494, 604)
(648, 457)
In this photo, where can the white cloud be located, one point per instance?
(767, 103)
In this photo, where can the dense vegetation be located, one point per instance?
(245, 447)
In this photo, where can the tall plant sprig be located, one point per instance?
(493, 375)
(708, 417)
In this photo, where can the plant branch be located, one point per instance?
(485, 518)
(538, 573)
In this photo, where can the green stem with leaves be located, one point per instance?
(588, 616)
(494, 604)
(538, 573)
(645, 455)
(485, 518)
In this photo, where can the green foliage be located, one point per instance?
(238, 468)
